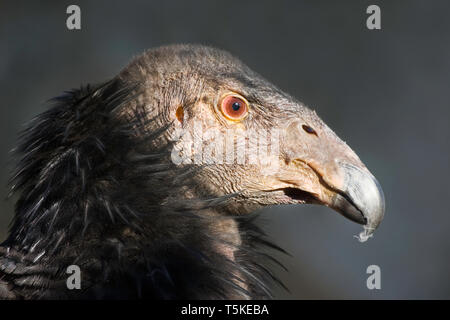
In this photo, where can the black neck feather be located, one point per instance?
(92, 193)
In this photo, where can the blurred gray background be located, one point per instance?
(386, 93)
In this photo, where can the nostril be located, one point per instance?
(309, 129)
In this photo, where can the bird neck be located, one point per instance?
(93, 193)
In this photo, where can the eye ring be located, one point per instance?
(233, 106)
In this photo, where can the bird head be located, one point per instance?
(246, 139)
(143, 177)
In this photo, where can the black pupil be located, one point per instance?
(236, 106)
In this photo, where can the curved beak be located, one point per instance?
(327, 169)
(360, 199)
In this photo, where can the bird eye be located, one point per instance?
(309, 129)
(233, 107)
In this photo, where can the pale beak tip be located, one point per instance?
(362, 200)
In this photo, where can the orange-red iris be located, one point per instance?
(233, 107)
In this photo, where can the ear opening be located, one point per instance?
(180, 114)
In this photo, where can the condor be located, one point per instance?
(97, 187)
